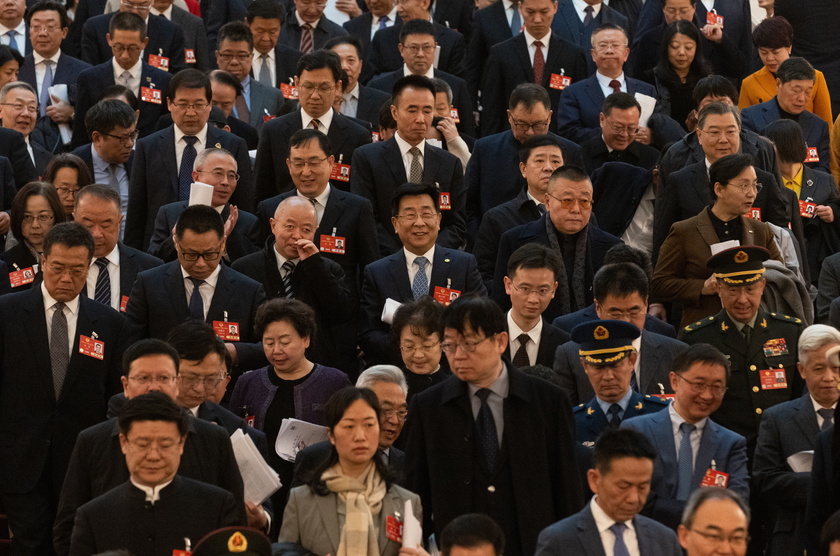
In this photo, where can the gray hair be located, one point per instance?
(815, 337)
(9, 87)
(703, 495)
(442, 86)
(718, 109)
(202, 157)
(382, 373)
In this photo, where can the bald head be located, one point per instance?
(295, 219)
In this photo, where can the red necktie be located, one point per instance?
(306, 44)
(315, 123)
(615, 85)
(539, 63)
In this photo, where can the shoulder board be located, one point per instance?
(786, 318)
(655, 400)
(700, 324)
(579, 408)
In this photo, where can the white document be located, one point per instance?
(59, 95)
(332, 13)
(388, 311)
(801, 462)
(437, 56)
(648, 104)
(201, 194)
(259, 479)
(724, 245)
(412, 534)
(295, 435)
(435, 143)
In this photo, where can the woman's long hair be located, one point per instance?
(698, 69)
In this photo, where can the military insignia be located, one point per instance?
(446, 260)
(589, 411)
(588, 444)
(723, 327)
(149, 80)
(601, 333)
(237, 543)
(639, 405)
(775, 347)
(741, 257)
(218, 145)
(763, 323)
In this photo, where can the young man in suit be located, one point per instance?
(307, 29)
(53, 382)
(174, 151)
(576, 22)
(19, 111)
(691, 448)
(358, 101)
(265, 19)
(621, 481)
(196, 54)
(712, 514)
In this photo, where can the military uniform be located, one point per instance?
(590, 420)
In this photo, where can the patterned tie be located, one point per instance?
(539, 63)
(420, 285)
(265, 71)
(516, 20)
(196, 303)
(521, 358)
(102, 291)
(685, 462)
(828, 417)
(242, 111)
(383, 22)
(185, 173)
(59, 348)
(617, 528)
(288, 269)
(13, 41)
(306, 43)
(315, 124)
(44, 100)
(488, 440)
(613, 418)
(615, 86)
(587, 19)
(416, 173)
(541, 208)
(126, 79)
(634, 384)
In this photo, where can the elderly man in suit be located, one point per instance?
(692, 450)
(621, 457)
(713, 515)
(577, 22)
(265, 19)
(54, 382)
(307, 29)
(19, 111)
(791, 428)
(358, 101)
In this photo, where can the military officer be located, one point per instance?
(608, 358)
(761, 346)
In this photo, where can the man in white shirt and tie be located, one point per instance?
(13, 31)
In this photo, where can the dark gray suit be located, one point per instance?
(265, 101)
(829, 286)
(195, 38)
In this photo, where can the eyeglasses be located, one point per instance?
(75, 272)
(127, 138)
(423, 348)
(738, 539)
(415, 48)
(538, 127)
(323, 88)
(220, 174)
(615, 314)
(566, 204)
(162, 446)
(528, 290)
(130, 6)
(42, 218)
(313, 163)
(426, 215)
(44, 29)
(621, 130)
(144, 380)
(389, 412)
(241, 56)
(31, 108)
(120, 48)
(716, 134)
(208, 382)
(717, 390)
(603, 46)
(744, 187)
(208, 256)
(197, 106)
(66, 191)
(468, 346)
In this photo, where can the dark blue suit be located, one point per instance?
(370, 103)
(720, 445)
(490, 27)
(652, 324)
(165, 38)
(822, 501)
(568, 25)
(385, 56)
(13, 147)
(132, 263)
(324, 31)
(591, 421)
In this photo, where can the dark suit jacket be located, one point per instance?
(13, 147)
(121, 518)
(155, 157)
(442, 447)
(385, 56)
(163, 36)
(195, 38)
(7, 184)
(85, 9)
(550, 339)
(657, 355)
(596, 155)
(310, 458)
(490, 26)
(568, 25)
(821, 238)
(578, 534)
(652, 324)
(285, 62)
(829, 286)
(388, 278)
(132, 263)
(614, 206)
(270, 170)
(455, 14)
(265, 101)
(37, 430)
(94, 80)
(370, 103)
(42, 158)
(326, 29)
(378, 169)
(823, 486)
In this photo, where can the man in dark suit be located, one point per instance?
(196, 54)
(307, 29)
(13, 28)
(576, 22)
(175, 148)
(622, 457)
(19, 111)
(689, 445)
(794, 79)
(363, 103)
(318, 78)
(362, 28)
(520, 60)
(485, 419)
(52, 385)
(566, 226)
(116, 265)
(455, 14)
(13, 147)
(127, 36)
(491, 25)
(530, 283)
(626, 212)
(829, 287)
(226, 89)
(621, 293)
(792, 428)
(265, 19)
(404, 275)
(120, 518)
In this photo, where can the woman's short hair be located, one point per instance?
(68, 160)
(33, 188)
(295, 312)
(423, 317)
(773, 32)
(787, 136)
(727, 168)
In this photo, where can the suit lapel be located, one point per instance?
(332, 212)
(399, 274)
(805, 417)
(36, 330)
(590, 538)
(337, 134)
(748, 234)
(594, 94)
(705, 229)
(651, 356)
(85, 324)
(27, 71)
(223, 293)
(176, 291)
(545, 351)
(390, 507)
(441, 269)
(663, 439)
(328, 509)
(167, 147)
(256, 103)
(128, 270)
(394, 161)
(706, 452)
(521, 48)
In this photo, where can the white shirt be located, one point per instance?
(374, 24)
(817, 407)
(41, 68)
(580, 7)
(29, 148)
(604, 82)
(408, 157)
(514, 332)
(350, 106)
(206, 290)
(430, 73)
(71, 313)
(167, 13)
(709, 4)
(134, 79)
(324, 121)
(320, 204)
(20, 38)
(639, 232)
(113, 275)
(181, 144)
(603, 522)
(152, 493)
(509, 9)
(529, 40)
(257, 62)
(696, 434)
(537, 202)
(302, 23)
(413, 268)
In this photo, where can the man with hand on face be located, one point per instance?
(19, 111)
(357, 101)
(273, 63)
(712, 517)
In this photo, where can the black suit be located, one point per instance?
(270, 170)
(132, 263)
(163, 36)
(42, 157)
(195, 38)
(285, 63)
(370, 103)
(385, 56)
(595, 154)
(378, 169)
(550, 339)
(326, 29)
(85, 9)
(155, 157)
(311, 457)
(490, 26)
(13, 147)
(510, 64)
(455, 14)
(38, 431)
(615, 207)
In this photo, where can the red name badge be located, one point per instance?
(454, 113)
(268, 117)
(445, 296)
(444, 201)
(559, 82)
(181, 553)
(123, 303)
(374, 137)
(189, 55)
(160, 62)
(813, 155)
(92, 348)
(393, 528)
(250, 420)
(807, 210)
(289, 92)
(227, 331)
(333, 244)
(714, 19)
(340, 172)
(715, 478)
(22, 277)
(773, 379)
(151, 95)
(754, 213)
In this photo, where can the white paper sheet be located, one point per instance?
(801, 462)
(59, 95)
(648, 104)
(259, 479)
(201, 194)
(412, 534)
(723, 246)
(388, 311)
(295, 435)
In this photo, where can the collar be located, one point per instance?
(322, 198)
(20, 29)
(817, 406)
(212, 279)
(194, 410)
(677, 420)
(708, 165)
(602, 521)
(39, 59)
(392, 17)
(515, 331)
(326, 119)
(623, 402)
(797, 179)
(580, 6)
(509, 4)
(409, 256)
(430, 73)
(99, 164)
(202, 135)
(404, 146)
(152, 493)
(531, 197)
(113, 257)
(604, 81)
(353, 93)
(49, 300)
(740, 325)
(167, 13)
(134, 70)
(500, 386)
(257, 55)
(280, 258)
(529, 38)
(301, 22)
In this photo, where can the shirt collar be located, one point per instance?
(212, 279)
(354, 92)
(604, 81)
(580, 6)
(113, 257)
(529, 38)
(500, 386)
(392, 17)
(404, 146)
(202, 135)
(817, 406)
(740, 325)
(536, 201)
(133, 70)
(322, 198)
(38, 58)
(409, 256)
(430, 73)
(167, 13)
(49, 301)
(677, 420)
(21, 30)
(326, 119)
(797, 179)
(515, 331)
(301, 22)
(99, 164)
(623, 402)
(258, 55)
(281, 259)
(152, 493)
(602, 521)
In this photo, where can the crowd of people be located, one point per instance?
(551, 277)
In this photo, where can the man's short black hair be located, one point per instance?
(107, 114)
(194, 340)
(190, 78)
(623, 253)
(386, 118)
(235, 31)
(119, 92)
(796, 69)
(349, 40)
(154, 406)
(303, 137)
(145, 348)
(199, 219)
(413, 190)
(265, 9)
(620, 280)
(614, 444)
(127, 21)
(621, 101)
(68, 234)
(718, 109)
(570, 172)
(786, 135)
(535, 142)
(472, 531)
(223, 77)
(726, 169)
(411, 82)
(417, 27)
(714, 86)
(49, 6)
(481, 314)
(700, 353)
(320, 59)
(529, 95)
(535, 256)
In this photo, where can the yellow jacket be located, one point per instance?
(761, 87)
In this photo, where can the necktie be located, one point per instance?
(289, 269)
(685, 462)
(416, 173)
(306, 44)
(185, 173)
(126, 79)
(113, 182)
(539, 63)
(59, 348)
(615, 86)
(587, 19)
(265, 71)
(102, 291)
(746, 332)
(516, 20)
(634, 384)
(488, 440)
(44, 100)
(420, 285)
(12, 40)
(619, 548)
(242, 111)
(521, 358)
(383, 22)
(315, 124)
(613, 418)
(828, 418)
(541, 208)
(196, 303)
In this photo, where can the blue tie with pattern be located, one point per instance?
(515, 21)
(613, 418)
(619, 548)
(102, 289)
(420, 285)
(685, 463)
(185, 172)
